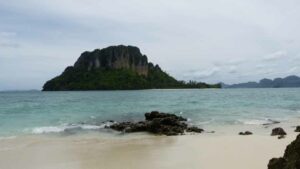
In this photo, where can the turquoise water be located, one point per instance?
(42, 112)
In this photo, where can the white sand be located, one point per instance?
(204, 151)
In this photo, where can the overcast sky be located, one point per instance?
(217, 40)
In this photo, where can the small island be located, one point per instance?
(116, 68)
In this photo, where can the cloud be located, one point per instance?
(202, 74)
(220, 40)
(8, 40)
(293, 70)
(275, 56)
(233, 69)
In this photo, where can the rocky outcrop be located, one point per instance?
(157, 123)
(290, 159)
(114, 57)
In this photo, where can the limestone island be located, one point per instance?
(116, 68)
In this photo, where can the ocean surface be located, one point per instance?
(35, 112)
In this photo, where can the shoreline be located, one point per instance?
(140, 150)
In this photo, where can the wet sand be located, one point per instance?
(141, 151)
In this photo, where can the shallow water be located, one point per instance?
(41, 112)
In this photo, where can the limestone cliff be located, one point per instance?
(114, 57)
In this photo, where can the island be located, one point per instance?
(287, 82)
(117, 68)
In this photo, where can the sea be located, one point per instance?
(75, 112)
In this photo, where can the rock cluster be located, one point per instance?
(291, 158)
(157, 123)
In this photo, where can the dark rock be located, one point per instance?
(157, 123)
(277, 163)
(281, 136)
(245, 133)
(166, 126)
(156, 114)
(194, 129)
(291, 158)
(297, 129)
(278, 132)
(121, 126)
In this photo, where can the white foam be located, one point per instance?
(58, 129)
(90, 127)
(205, 122)
(48, 129)
(258, 121)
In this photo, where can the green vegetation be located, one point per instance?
(117, 79)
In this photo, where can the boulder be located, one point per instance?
(278, 132)
(290, 159)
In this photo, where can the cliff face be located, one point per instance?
(114, 57)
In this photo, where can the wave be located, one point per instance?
(68, 128)
(259, 121)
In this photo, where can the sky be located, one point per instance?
(211, 41)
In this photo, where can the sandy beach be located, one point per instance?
(141, 151)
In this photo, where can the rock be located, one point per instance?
(281, 137)
(156, 114)
(166, 126)
(278, 132)
(157, 123)
(277, 163)
(297, 129)
(290, 159)
(245, 133)
(194, 129)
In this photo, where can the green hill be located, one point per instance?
(116, 68)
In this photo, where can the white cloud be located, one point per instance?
(8, 40)
(202, 74)
(275, 56)
(232, 69)
(293, 70)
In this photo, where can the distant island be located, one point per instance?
(290, 81)
(116, 68)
